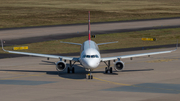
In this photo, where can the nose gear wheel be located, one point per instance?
(90, 76)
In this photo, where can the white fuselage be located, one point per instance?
(90, 57)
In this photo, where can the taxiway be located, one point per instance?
(154, 78)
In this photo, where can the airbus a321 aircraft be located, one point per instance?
(90, 57)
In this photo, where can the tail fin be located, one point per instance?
(89, 28)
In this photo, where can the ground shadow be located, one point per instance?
(137, 70)
(80, 73)
(47, 63)
(77, 75)
(103, 72)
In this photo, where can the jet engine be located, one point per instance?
(60, 65)
(119, 65)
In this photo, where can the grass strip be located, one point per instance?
(24, 13)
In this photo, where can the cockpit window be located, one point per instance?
(84, 56)
(90, 56)
(96, 56)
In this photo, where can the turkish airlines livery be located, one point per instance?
(90, 57)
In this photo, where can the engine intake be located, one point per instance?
(119, 65)
(60, 65)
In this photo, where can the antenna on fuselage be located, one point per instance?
(89, 28)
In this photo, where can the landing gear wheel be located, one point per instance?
(68, 70)
(72, 69)
(106, 70)
(110, 69)
(91, 76)
(88, 76)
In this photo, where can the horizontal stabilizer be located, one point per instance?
(72, 43)
(107, 43)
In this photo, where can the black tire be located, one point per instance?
(88, 76)
(91, 76)
(106, 70)
(68, 70)
(110, 70)
(72, 69)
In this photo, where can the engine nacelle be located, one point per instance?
(119, 65)
(60, 65)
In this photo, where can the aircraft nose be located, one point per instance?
(92, 64)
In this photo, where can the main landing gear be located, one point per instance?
(108, 68)
(90, 76)
(71, 68)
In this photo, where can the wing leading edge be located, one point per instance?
(41, 55)
(136, 55)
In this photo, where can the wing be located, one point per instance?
(136, 55)
(41, 55)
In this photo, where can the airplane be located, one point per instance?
(90, 56)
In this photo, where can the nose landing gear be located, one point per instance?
(90, 76)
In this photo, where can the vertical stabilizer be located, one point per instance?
(89, 28)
